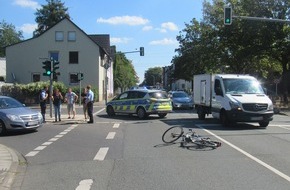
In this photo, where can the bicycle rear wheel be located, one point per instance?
(172, 134)
(210, 143)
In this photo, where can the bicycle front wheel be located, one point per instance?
(172, 134)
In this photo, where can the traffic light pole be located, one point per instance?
(50, 89)
(262, 19)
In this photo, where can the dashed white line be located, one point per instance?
(111, 135)
(49, 142)
(279, 173)
(85, 184)
(101, 154)
(116, 125)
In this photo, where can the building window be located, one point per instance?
(73, 78)
(59, 36)
(35, 77)
(71, 36)
(54, 55)
(73, 57)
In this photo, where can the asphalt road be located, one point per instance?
(124, 153)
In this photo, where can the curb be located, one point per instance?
(13, 169)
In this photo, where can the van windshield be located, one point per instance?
(242, 86)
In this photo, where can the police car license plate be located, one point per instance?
(32, 123)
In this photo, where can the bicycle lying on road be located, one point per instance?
(174, 133)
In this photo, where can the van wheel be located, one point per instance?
(264, 124)
(2, 128)
(224, 119)
(201, 115)
(110, 111)
(141, 113)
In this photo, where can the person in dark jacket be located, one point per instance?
(57, 100)
(43, 96)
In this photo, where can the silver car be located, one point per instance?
(15, 116)
(181, 99)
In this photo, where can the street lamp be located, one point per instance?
(107, 65)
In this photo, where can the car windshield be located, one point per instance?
(242, 86)
(158, 95)
(6, 103)
(179, 95)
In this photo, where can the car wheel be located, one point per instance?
(110, 111)
(2, 128)
(264, 124)
(224, 119)
(141, 113)
(162, 115)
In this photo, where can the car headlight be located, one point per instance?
(14, 118)
(235, 105)
(270, 107)
(39, 115)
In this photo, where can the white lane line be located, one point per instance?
(248, 155)
(111, 135)
(32, 153)
(101, 153)
(40, 148)
(287, 127)
(116, 125)
(47, 143)
(99, 111)
(85, 184)
(53, 139)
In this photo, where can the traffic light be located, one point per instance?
(54, 66)
(80, 76)
(47, 68)
(141, 51)
(227, 15)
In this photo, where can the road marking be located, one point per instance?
(32, 153)
(116, 125)
(248, 155)
(99, 111)
(101, 154)
(85, 184)
(287, 127)
(40, 148)
(49, 142)
(111, 135)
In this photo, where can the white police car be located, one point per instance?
(141, 102)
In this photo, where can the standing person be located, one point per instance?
(71, 98)
(56, 100)
(90, 103)
(84, 96)
(43, 96)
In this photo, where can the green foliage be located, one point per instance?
(247, 47)
(8, 36)
(49, 15)
(124, 73)
(153, 76)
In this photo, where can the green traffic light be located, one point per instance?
(48, 72)
(227, 20)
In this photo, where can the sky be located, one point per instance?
(131, 24)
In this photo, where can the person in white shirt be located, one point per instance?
(90, 103)
(71, 98)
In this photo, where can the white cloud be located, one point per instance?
(169, 26)
(120, 40)
(27, 4)
(162, 30)
(147, 28)
(125, 20)
(28, 28)
(164, 41)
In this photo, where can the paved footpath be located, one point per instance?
(13, 163)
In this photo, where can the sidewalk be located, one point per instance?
(13, 164)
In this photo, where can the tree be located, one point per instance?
(124, 73)
(153, 76)
(49, 15)
(8, 36)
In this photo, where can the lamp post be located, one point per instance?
(107, 65)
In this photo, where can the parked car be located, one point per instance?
(181, 99)
(15, 116)
(140, 102)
